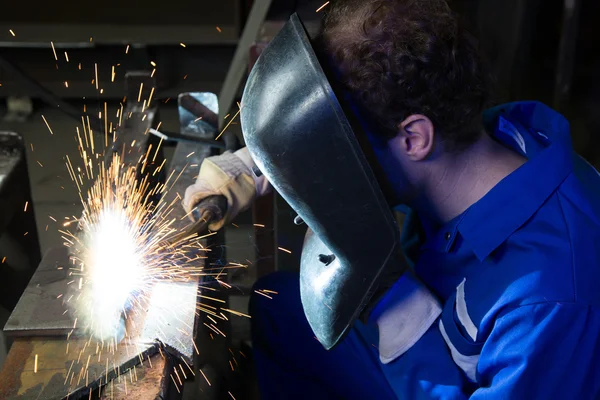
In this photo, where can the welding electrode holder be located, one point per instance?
(210, 209)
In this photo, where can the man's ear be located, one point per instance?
(416, 134)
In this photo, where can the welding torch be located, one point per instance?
(210, 209)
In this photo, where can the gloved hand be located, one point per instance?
(232, 175)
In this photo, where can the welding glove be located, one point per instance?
(232, 175)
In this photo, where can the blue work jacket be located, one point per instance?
(518, 277)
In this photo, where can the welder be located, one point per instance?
(493, 292)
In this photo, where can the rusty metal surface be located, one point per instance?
(149, 381)
(64, 368)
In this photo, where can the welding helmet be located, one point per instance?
(314, 152)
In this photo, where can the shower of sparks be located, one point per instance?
(13, 33)
(322, 7)
(123, 247)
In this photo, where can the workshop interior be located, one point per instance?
(158, 87)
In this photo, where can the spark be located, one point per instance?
(181, 44)
(152, 74)
(150, 97)
(48, 125)
(176, 387)
(140, 93)
(66, 56)
(207, 381)
(322, 7)
(127, 49)
(41, 165)
(35, 367)
(227, 126)
(267, 296)
(240, 314)
(218, 29)
(96, 74)
(26, 204)
(112, 76)
(66, 84)
(153, 63)
(286, 250)
(54, 51)
(3, 260)
(13, 33)
(259, 225)
(105, 125)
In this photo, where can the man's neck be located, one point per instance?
(459, 181)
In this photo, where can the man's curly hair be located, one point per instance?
(403, 57)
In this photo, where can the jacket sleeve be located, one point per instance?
(542, 351)
(545, 351)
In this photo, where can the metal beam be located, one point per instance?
(565, 63)
(239, 64)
